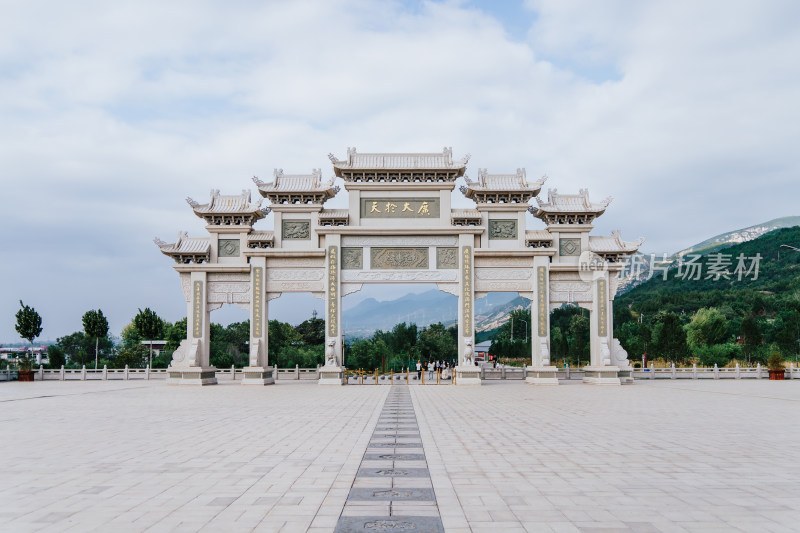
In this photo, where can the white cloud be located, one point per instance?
(112, 113)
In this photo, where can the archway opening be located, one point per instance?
(230, 337)
(503, 329)
(390, 327)
(569, 336)
(296, 331)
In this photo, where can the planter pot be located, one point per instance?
(777, 374)
(25, 375)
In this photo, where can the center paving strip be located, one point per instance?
(392, 490)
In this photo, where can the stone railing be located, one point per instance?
(737, 372)
(125, 374)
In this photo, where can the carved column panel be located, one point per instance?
(333, 300)
(540, 313)
(466, 373)
(198, 320)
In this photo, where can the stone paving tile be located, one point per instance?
(140, 456)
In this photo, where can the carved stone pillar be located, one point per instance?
(190, 362)
(601, 371)
(258, 371)
(466, 371)
(332, 373)
(541, 371)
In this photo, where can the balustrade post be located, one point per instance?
(41, 373)
(738, 374)
(716, 371)
(83, 373)
(503, 372)
(758, 370)
(147, 372)
(694, 370)
(125, 375)
(296, 372)
(105, 372)
(567, 370)
(673, 371)
(8, 372)
(233, 372)
(791, 370)
(652, 371)
(61, 374)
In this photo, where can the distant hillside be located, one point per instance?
(426, 308)
(739, 236)
(777, 280)
(715, 243)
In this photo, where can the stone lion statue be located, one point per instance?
(469, 353)
(330, 352)
(619, 356)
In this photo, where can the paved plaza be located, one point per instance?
(652, 457)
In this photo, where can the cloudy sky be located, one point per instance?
(112, 112)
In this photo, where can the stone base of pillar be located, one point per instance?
(331, 375)
(601, 375)
(257, 375)
(192, 375)
(542, 375)
(468, 375)
(626, 375)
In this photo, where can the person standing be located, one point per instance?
(419, 369)
(430, 371)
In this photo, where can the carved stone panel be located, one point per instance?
(228, 288)
(399, 258)
(360, 276)
(296, 229)
(295, 274)
(503, 273)
(502, 229)
(400, 207)
(447, 258)
(352, 258)
(228, 248)
(569, 247)
(570, 291)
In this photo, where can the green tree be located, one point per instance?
(29, 326)
(95, 325)
(55, 356)
(175, 333)
(149, 326)
(579, 338)
(282, 334)
(435, 343)
(312, 331)
(707, 327)
(133, 355)
(751, 336)
(669, 337)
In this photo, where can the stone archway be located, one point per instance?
(399, 227)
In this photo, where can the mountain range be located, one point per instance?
(492, 311)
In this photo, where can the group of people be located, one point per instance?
(433, 368)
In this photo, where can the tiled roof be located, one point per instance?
(226, 204)
(538, 235)
(334, 213)
(260, 236)
(185, 245)
(465, 213)
(571, 203)
(386, 161)
(504, 182)
(613, 243)
(295, 182)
